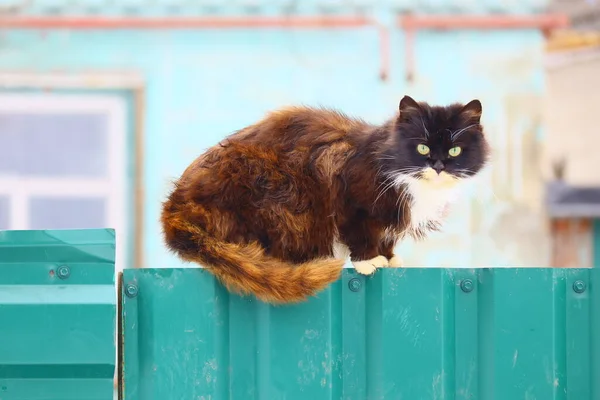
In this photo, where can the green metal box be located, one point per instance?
(403, 334)
(57, 315)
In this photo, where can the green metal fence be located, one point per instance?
(406, 334)
(414, 334)
(57, 315)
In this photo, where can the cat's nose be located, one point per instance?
(438, 166)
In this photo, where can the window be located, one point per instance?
(62, 163)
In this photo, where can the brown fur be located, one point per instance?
(262, 209)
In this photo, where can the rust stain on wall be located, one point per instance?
(572, 243)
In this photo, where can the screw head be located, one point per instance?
(63, 272)
(354, 284)
(579, 286)
(131, 290)
(466, 285)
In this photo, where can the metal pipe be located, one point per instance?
(258, 22)
(544, 21)
(182, 22)
(412, 23)
(384, 52)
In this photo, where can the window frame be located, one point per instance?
(112, 187)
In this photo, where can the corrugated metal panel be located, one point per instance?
(57, 307)
(416, 334)
(186, 7)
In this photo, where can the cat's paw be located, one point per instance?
(396, 262)
(368, 267)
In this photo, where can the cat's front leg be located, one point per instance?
(362, 238)
(387, 249)
(365, 257)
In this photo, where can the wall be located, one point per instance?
(202, 85)
(570, 113)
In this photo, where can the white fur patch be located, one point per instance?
(340, 250)
(396, 262)
(430, 195)
(368, 267)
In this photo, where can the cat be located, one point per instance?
(276, 207)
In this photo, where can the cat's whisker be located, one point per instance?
(408, 170)
(463, 172)
(409, 174)
(378, 172)
(390, 185)
(456, 134)
(400, 201)
(384, 182)
(426, 131)
(399, 208)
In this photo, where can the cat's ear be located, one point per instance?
(408, 104)
(472, 110)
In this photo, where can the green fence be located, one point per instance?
(57, 315)
(403, 334)
(414, 334)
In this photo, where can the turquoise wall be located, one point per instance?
(202, 85)
(235, 7)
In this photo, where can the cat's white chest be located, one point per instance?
(428, 203)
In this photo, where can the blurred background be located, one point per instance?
(103, 104)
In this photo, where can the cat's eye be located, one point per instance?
(455, 151)
(423, 150)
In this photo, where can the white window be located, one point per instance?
(62, 163)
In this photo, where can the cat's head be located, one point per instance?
(439, 146)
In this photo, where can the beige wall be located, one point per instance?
(571, 115)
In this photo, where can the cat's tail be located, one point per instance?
(246, 269)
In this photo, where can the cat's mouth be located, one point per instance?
(430, 176)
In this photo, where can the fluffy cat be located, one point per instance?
(270, 210)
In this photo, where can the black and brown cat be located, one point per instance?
(272, 209)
